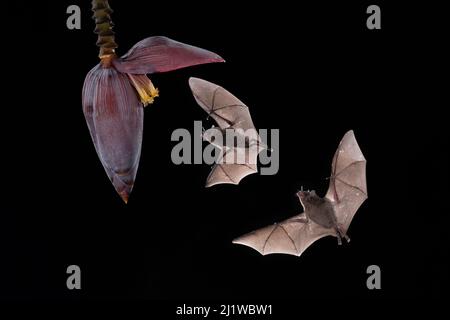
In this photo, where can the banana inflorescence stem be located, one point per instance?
(103, 27)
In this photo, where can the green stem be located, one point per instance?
(104, 25)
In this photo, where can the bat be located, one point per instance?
(238, 157)
(327, 216)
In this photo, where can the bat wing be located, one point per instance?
(292, 236)
(229, 173)
(233, 172)
(227, 110)
(348, 187)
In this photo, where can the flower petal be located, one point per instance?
(114, 116)
(144, 87)
(161, 54)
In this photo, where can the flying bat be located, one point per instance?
(236, 136)
(327, 216)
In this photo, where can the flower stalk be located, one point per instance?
(103, 28)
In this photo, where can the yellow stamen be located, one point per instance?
(144, 87)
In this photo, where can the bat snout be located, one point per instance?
(302, 194)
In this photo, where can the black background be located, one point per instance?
(312, 70)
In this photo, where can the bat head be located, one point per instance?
(306, 196)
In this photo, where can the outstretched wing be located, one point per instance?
(348, 188)
(229, 173)
(292, 236)
(227, 110)
(228, 170)
(229, 113)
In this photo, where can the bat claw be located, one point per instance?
(341, 234)
(347, 238)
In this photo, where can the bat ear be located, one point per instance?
(202, 135)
